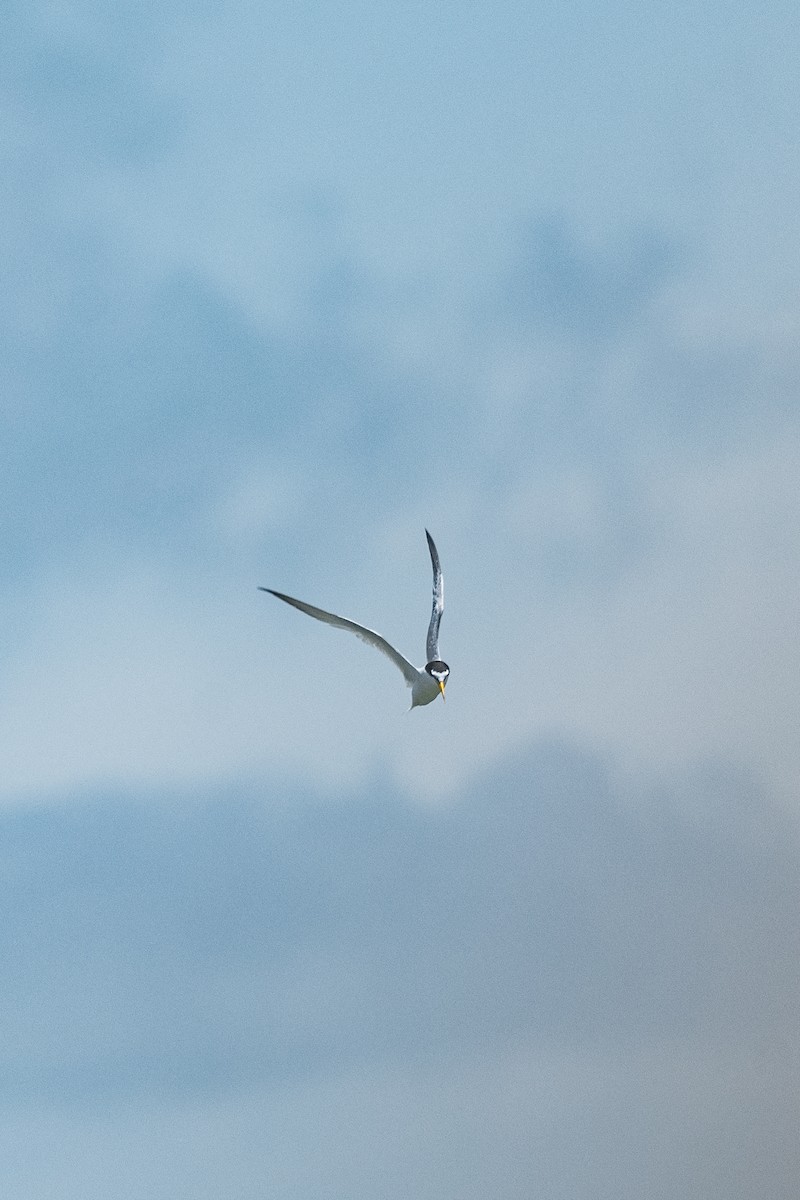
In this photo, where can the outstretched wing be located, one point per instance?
(369, 636)
(438, 602)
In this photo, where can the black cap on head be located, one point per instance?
(438, 669)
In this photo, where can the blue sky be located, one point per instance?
(283, 287)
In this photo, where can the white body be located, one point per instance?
(424, 689)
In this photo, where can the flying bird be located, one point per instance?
(425, 683)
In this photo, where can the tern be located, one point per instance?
(426, 683)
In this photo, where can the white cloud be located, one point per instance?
(693, 652)
(121, 682)
(688, 652)
(146, 682)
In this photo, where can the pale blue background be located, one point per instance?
(282, 285)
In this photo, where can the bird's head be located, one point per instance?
(440, 672)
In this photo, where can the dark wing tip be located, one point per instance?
(434, 553)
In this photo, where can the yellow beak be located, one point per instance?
(441, 686)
